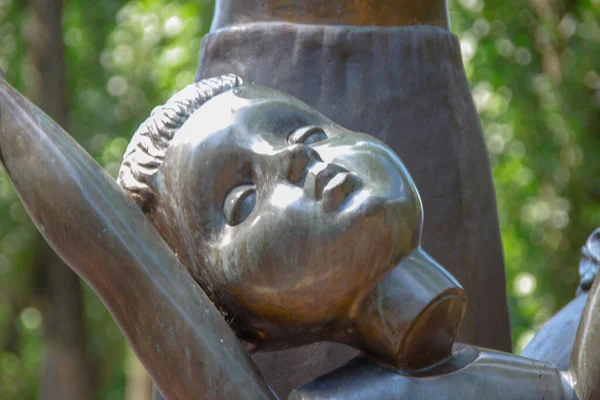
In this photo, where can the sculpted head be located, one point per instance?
(288, 221)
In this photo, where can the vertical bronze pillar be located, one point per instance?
(393, 70)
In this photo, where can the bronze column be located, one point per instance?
(391, 69)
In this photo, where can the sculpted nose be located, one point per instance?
(296, 160)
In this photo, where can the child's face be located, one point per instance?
(286, 218)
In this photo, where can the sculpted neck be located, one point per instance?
(333, 12)
(411, 318)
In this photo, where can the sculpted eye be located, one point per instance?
(307, 135)
(239, 204)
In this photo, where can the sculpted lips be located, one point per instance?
(331, 183)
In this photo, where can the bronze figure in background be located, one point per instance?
(554, 341)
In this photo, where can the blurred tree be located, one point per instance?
(20, 317)
(65, 373)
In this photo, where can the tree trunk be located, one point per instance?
(65, 370)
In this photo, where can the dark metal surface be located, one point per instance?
(331, 12)
(585, 359)
(590, 262)
(472, 374)
(179, 336)
(407, 87)
(554, 341)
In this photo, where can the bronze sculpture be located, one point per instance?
(565, 344)
(352, 12)
(264, 199)
(276, 143)
(394, 70)
(379, 321)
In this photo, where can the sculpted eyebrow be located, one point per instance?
(284, 122)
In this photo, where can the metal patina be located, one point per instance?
(350, 12)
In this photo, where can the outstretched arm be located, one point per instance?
(180, 337)
(555, 340)
(584, 367)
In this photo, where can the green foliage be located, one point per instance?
(534, 70)
(533, 67)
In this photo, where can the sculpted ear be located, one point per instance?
(136, 189)
(148, 147)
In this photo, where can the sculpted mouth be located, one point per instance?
(331, 184)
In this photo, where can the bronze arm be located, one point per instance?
(472, 371)
(584, 367)
(180, 337)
